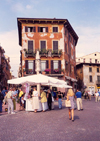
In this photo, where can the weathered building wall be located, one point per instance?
(94, 75)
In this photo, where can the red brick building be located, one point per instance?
(55, 39)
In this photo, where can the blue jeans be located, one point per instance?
(60, 103)
(0, 105)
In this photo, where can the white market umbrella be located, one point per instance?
(58, 85)
(36, 79)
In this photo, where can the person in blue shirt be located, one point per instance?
(99, 95)
(79, 100)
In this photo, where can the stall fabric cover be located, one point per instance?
(58, 85)
(36, 79)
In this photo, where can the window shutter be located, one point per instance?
(26, 66)
(26, 29)
(30, 45)
(59, 65)
(38, 29)
(34, 67)
(51, 66)
(43, 45)
(55, 45)
(46, 29)
(47, 64)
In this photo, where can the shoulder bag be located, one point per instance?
(67, 103)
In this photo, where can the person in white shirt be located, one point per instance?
(35, 100)
(89, 94)
(96, 96)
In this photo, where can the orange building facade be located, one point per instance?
(56, 40)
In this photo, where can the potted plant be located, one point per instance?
(56, 70)
(43, 72)
(47, 71)
(60, 52)
(30, 71)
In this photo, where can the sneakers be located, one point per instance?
(12, 112)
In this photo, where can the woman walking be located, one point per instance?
(70, 96)
(35, 100)
(49, 96)
(43, 100)
(60, 97)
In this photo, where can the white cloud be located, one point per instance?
(28, 7)
(9, 41)
(89, 40)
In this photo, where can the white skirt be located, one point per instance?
(35, 103)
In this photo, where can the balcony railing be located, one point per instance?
(44, 52)
(29, 53)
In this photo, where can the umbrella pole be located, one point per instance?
(38, 88)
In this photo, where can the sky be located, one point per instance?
(83, 15)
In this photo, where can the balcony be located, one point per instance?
(29, 53)
(56, 53)
(55, 72)
(44, 53)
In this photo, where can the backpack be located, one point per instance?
(1, 96)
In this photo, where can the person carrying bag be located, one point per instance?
(70, 103)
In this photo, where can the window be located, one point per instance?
(43, 29)
(30, 46)
(95, 60)
(90, 78)
(55, 29)
(70, 39)
(30, 29)
(97, 69)
(90, 69)
(65, 47)
(66, 32)
(73, 42)
(98, 78)
(55, 45)
(43, 45)
(90, 60)
(43, 65)
(55, 64)
(30, 67)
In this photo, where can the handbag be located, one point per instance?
(67, 103)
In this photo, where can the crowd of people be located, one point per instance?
(12, 95)
(87, 95)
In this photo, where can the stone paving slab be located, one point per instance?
(53, 125)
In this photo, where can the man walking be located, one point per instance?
(14, 94)
(79, 100)
(10, 103)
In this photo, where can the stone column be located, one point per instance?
(38, 68)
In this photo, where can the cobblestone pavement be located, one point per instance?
(52, 125)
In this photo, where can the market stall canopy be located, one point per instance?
(36, 79)
(58, 85)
